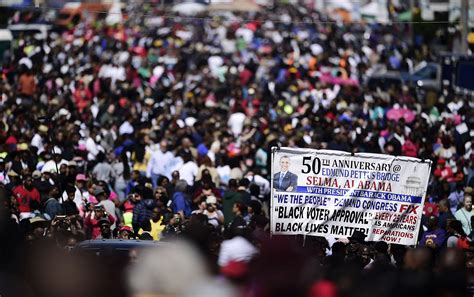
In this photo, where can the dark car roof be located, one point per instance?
(119, 244)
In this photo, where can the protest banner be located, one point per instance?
(333, 193)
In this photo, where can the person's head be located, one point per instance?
(455, 226)
(206, 161)
(202, 206)
(99, 194)
(441, 163)
(100, 157)
(105, 228)
(71, 167)
(254, 190)
(156, 214)
(207, 188)
(181, 185)
(81, 180)
(135, 175)
(135, 197)
(211, 202)
(364, 254)
(163, 145)
(467, 202)
(175, 175)
(238, 208)
(38, 229)
(163, 181)
(125, 233)
(71, 192)
(30, 239)
(70, 243)
(63, 169)
(233, 185)
(254, 208)
(160, 193)
(339, 249)
(99, 211)
(284, 163)
(54, 192)
(444, 205)
(105, 187)
(186, 143)
(28, 182)
(57, 153)
(381, 247)
(432, 223)
(36, 175)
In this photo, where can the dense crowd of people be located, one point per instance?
(161, 128)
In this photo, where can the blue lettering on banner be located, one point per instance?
(359, 194)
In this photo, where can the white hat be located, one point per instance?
(57, 151)
(211, 200)
(149, 101)
(64, 112)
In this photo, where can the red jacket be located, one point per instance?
(24, 197)
(93, 224)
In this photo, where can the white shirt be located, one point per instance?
(160, 163)
(126, 128)
(236, 123)
(50, 166)
(465, 217)
(92, 148)
(188, 172)
(37, 141)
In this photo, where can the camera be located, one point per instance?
(62, 222)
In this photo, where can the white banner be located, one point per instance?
(333, 193)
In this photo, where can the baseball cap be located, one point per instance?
(72, 163)
(81, 177)
(235, 269)
(12, 173)
(211, 200)
(22, 147)
(43, 128)
(126, 228)
(36, 174)
(149, 101)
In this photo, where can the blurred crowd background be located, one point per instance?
(159, 127)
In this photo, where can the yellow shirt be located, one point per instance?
(141, 166)
(127, 219)
(156, 229)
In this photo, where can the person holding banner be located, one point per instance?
(285, 180)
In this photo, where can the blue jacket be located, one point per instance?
(179, 202)
(53, 208)
(142, 211)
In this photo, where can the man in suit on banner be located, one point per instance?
(285, 180)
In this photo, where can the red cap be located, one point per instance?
(323, 289)
(126, 228)
(235, 269)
